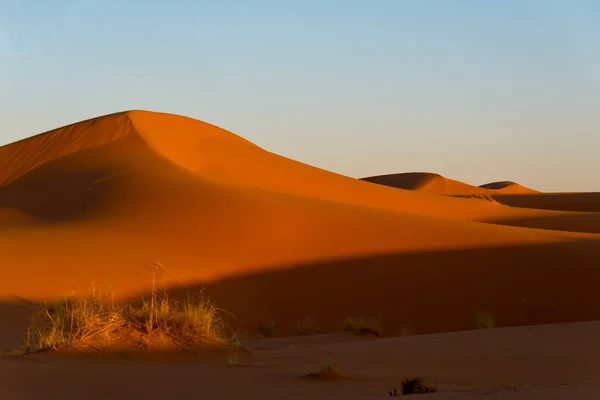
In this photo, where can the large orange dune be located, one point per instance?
(271, 238)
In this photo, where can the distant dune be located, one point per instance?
(426, 182)
(438, 184)
(507, 187)
(507, 193)
(274, 239)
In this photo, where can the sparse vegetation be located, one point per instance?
(413, 386)
(234, 350)
(306, 326)
(325, 371)
(406, 331)
(267, 328)
(484, 320)
(363, 326)
(99, 321)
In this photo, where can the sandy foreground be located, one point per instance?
(123, 198)
(533, 362)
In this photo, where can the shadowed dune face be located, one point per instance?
(19, 158)
(428, 291)
(102, 200)
(81, 184)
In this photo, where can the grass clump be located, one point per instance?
(484, 320)
(326, 371)
(362, 326)
(99, 321)
(306, 326)
(413, 386)
(406, 331)
(267, 329)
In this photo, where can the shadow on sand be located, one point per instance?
(428, 292)
(421, 292)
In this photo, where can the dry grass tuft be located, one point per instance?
(327, 371)
(362, 326)
(406, 331)
(484, 320)
(100, 322)
(267, 329)
(413, 386)
(306, 326)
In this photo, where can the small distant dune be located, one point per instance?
(508, 187)
(426, 182)
(437, 184)
(408, 181)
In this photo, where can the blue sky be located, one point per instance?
(475, 90)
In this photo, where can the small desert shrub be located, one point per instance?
(406, 331)
(99, 320)
(325, 371)
(306, 326)
(362, 326)
(234, 350)
(484, 320)
(413, 386)
(267, 328)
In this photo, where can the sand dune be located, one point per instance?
(102, 200)
(426, 182)
(572, 212)
(438, 184)
(507, 187)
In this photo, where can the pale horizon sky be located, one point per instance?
(474, 90)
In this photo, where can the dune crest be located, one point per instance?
(426, 182)
(507, 187)
(176, 138)
(118, 144)
(437, 184)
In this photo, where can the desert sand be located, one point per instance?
(532, 362)
(119, 198)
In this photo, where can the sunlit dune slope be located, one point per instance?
(507, 187)
(105, 199)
